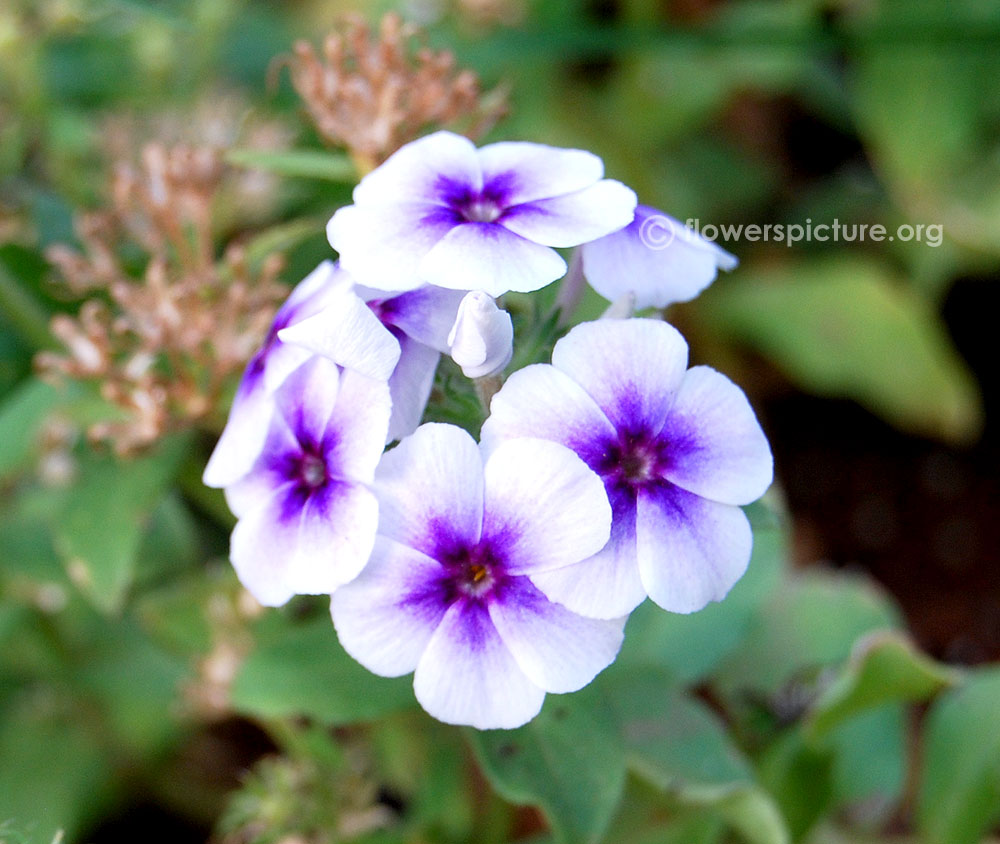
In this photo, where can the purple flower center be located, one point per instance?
(477, 206)
(473, 572)
(633, 460)
(311, 471)
(481, 210)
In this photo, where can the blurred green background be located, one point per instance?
(872, 364)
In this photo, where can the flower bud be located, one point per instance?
(482, 339)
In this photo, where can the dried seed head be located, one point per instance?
(372, 93)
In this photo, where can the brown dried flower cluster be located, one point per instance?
(372, 94)
(162, 347)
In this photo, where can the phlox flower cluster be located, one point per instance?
(496, 571)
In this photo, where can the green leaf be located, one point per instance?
(281, 238)
(677, 744)
(869, 762)
(21, 416)
(959, 797)
(844, 328)
(569, 761)
(883, 668)
(99, 527)
(302, 163)
(801, 779)
(301, 669)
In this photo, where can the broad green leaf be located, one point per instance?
(801, 779)
(303, 163)
(677, 744)
(99, 527)
(959, 797)
(569, 761)
(810, 623)
(884, 668)
(690, 646)
(870, 762)
(301, 669)
(21, 415)
(845, 328)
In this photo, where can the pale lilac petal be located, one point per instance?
(307, 398)
(606, 585)
(357, 428)
(430, 488)
(310, 293)
(482, 339)
(542, 401)
(382, 247)
(387, 615)
(427, 169)
(716, 446)
(242, 439)
(544, 508)
(558, 650)
(288, 545)
(410, 386)
(575, 218)
(282, 360)
(468, 676)
(632, 368)
(348, 333)
(656, 258)
(425, 314)
(691, 550)
(489, 257)
(269, 470)
(520, 171)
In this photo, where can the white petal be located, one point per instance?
(542, 401)
(576, 218)
(243, 437)
(631, 367)
(382, 247)
(356, 431)
(410, 386)
(487, 256)
(718, 449)
(430, 489)
(348, 333)
(419, 170)
(468, 676)
(386, 616)
(558, 650)
(544, 508)
(528, 171)
(482, 339)
(425, 314)
(326, 278)
(307, 398)
(691, 550)
(657, 258)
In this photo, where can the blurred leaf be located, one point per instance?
(959, 797)
(281, 238)
(801, 779)
(870, 763)
(811, 622)
(568, 761)
(21, 415)
(103, 516)
(301, 669)
(23, 310)
(883, 668)
(843, 328)
(690, 646)
(302, 163)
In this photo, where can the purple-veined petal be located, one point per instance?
(348, 333)
(486, 256)
(482, 339)
(606, 585)
(307, 398)
(269, 470)
(657, 258)
(281, 361)
(386, 616)
(292, 544)
(544, 508)
(468, 676)
(716, 446)
(382, 247)
(520, 171)
(356, 431)
(410, 386)
(632, 368)
(542, 401)
(430, 489)
(575, 218)
(425, 170)
(558, 650)
(691, 550)
(425, 314)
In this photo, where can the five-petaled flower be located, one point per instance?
(440, 211)
(679, 449)
(307, 515)
(448, 592)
